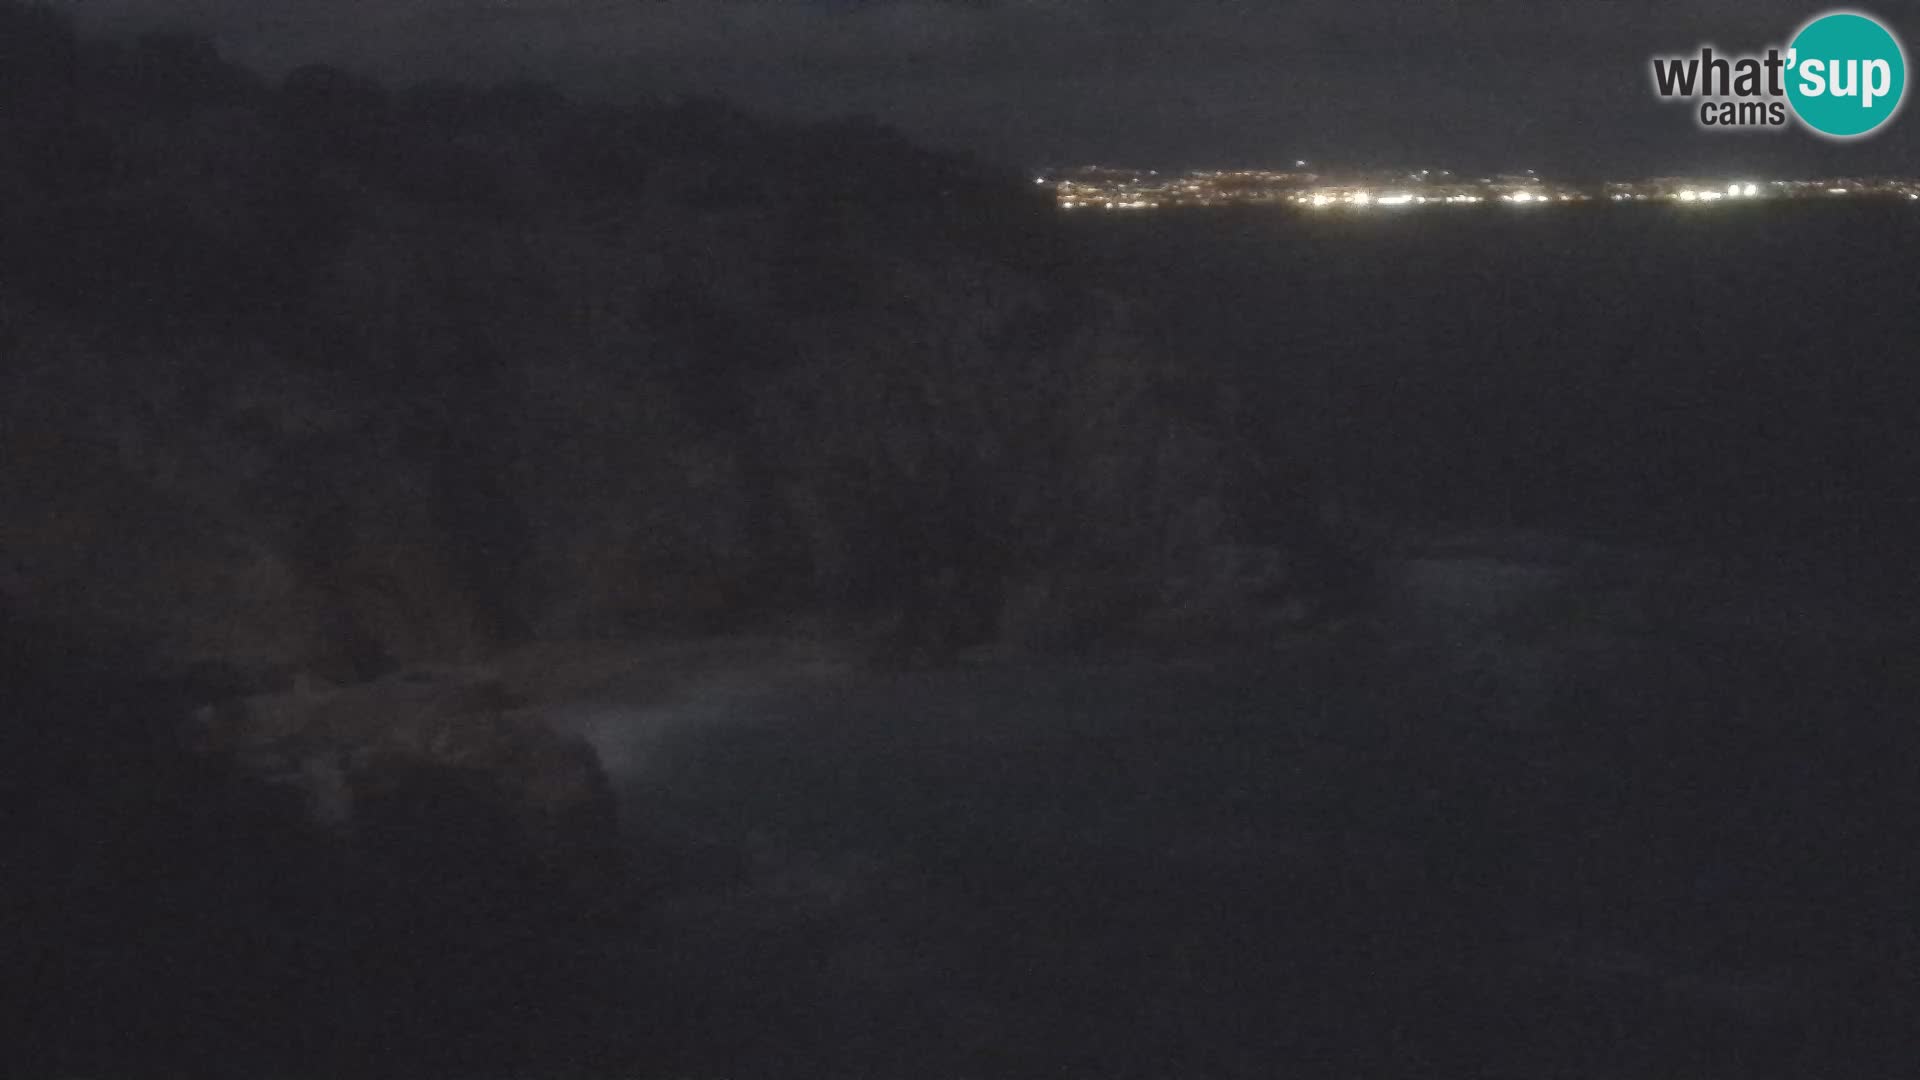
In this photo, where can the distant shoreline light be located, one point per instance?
(1118, 189)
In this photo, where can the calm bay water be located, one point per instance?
(1621, 786)
(1730, 376)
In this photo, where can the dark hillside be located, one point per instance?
(316, 392)
(323, 377)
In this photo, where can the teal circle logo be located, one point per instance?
(1847, 75)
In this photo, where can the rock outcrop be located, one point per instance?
(359, 755)
(322, 379)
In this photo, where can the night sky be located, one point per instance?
(1472, 84)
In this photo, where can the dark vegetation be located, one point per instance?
(167, 913)
(312, 381)
(319, 376)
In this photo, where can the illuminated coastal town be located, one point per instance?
(1105, 188)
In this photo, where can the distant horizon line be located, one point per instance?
(1296, 169)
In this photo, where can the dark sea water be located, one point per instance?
(1622, 785)
(1676, 861)
(1730, 376)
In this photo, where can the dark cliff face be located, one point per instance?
(296, 897)
(313, 389)
(327, 378)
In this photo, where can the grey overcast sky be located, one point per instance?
(1558, 85)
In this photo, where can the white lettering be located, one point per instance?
(1876, 87)
(1847, 87)
(1813, 77)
